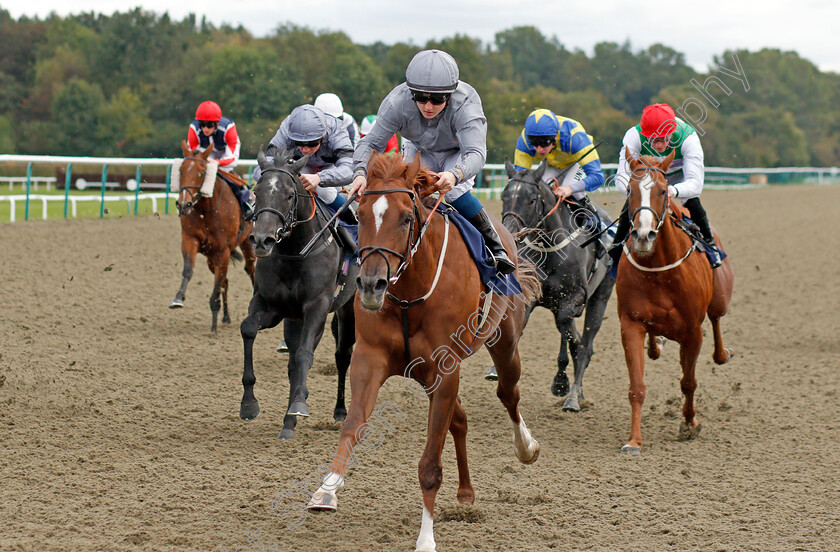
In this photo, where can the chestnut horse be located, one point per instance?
(417, 311)
(665, 288)
(212, 226)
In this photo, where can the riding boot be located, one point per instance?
(499, 257)
(249, 204)
(347, 216)
(593, 222)
(698, 215)
(618, 240)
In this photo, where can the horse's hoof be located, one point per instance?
(491, 374)
(298, 409)
(630, 449)
(571, 406)
(286, 434)
(535, 456)
(282, 348)
(323, 501)
(226, 320)
(339, 417)
(176, 304)
(249, 412)
(687, 432)
(560, 385)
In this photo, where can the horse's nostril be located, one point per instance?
(651, 235)
(253, 240)
(634, 234)
(381, 286)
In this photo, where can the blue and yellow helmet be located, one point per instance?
(542, 122)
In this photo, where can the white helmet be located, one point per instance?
(330, 104)
(367, 124)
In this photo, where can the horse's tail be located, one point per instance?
(526, 273)
(235, 255)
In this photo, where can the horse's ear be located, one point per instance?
(299, 164)
(271, 151)
(206, 153)
(413, 168)
(665, 163)
(632, 161)
(538, 174)
(261, 160)
(509, 168)
(425, 183)
(185, 149)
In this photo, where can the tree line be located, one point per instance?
(128, 84)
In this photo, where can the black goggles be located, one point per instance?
(309, 144)
(542, 141)
(423, 97)
(208, 124)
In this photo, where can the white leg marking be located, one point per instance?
(325, 497)
(524, 444)
(426, 540)
(379, 209)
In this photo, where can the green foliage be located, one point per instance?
(129, 83)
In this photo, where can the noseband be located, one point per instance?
(660, 217)
(410, 246)
(289, 220)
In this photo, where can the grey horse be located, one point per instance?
(573, 280)
(300, 291)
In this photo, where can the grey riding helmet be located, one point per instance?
(307, 124)
(432, 72)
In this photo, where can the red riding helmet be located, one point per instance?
(658, 121)
(208, 111)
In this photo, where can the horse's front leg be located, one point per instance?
(368, 371)
(189, 249)
(250, 257)
(442, 406)
(595, 308)
(309, 332)
(458, 429)
(689, 351)
(633, 341)
(224, 287)
(560, 384)
(259, 317)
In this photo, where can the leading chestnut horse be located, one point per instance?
(418, 314)
(665, 288)
(212, 226)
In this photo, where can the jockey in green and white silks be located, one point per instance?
(440, 117)
(659, 133)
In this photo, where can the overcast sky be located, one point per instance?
(707, 28)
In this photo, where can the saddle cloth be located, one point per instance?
(493, 280)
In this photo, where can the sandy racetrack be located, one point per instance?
(120, 431)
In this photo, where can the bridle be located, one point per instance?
(660, 216)
(289, 220)
(193, 193)
(524, 228)
(411, 244)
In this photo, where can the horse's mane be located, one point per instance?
(389, 167)
(280, 156)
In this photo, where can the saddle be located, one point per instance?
(680, 216)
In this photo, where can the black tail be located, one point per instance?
(235, 255)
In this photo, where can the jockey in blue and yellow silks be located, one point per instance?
(566, 148)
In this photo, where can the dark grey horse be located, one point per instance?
(571, 280)
(298, 290)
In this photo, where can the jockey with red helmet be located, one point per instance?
(659, 133)
(210, 128)
(393, 145)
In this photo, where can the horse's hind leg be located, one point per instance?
(189, 249)
(721, 354)
(250, 258)
(689, 351)
(458, 429)
(505, 355)
(218, 265)
(345, 338)
(560, 384)
(593, 319)
(225, 311)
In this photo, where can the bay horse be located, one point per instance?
(572, 282)
(418, 311)
(663, 289)
(212, 226)
(298, 290)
